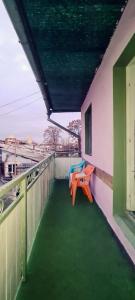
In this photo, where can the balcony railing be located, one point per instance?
(19, 221)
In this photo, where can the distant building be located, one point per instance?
(29, 140)
(1, 165)
(13, 165)
(16, 155)
(12, 140)
(51, 147)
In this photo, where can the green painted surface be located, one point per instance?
(119, 126)
(88, 130)
(127, 54)
(76, 255)
(120, 160)
(119, 119)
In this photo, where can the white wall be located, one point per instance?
(100, 95)
(62, 165)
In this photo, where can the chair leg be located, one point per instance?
(87, 192)
(73, 192)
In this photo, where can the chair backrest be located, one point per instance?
(88, 170)
(76, 168)
(82, 163)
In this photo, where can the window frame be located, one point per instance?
(88, 130)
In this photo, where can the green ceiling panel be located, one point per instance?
(68, 39)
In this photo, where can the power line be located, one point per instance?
(11, 111)
(19, 99)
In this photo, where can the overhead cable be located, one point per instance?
(19, 99)
(20, 107)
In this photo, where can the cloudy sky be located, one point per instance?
(17, 82)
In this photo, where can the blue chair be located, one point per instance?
(76, 168)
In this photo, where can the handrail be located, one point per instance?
(16, 181)
(20, 220)
(11, 184)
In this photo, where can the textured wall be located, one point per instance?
(100, 95)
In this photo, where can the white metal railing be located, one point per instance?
(19, 223)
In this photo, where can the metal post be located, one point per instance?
(24, 229)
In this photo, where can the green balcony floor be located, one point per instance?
(76, 256)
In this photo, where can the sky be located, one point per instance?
(17, 82)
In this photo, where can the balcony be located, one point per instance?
(70, 254)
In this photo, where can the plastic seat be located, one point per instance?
(82, 180)
(76, 168)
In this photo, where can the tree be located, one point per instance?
(52, 136)
(75, 126)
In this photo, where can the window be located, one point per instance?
(9, 168)
(88, 131)
(13, 168)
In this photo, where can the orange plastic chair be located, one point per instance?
(82, 180)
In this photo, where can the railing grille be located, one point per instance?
(19, 223)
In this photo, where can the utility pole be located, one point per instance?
(15, 156)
